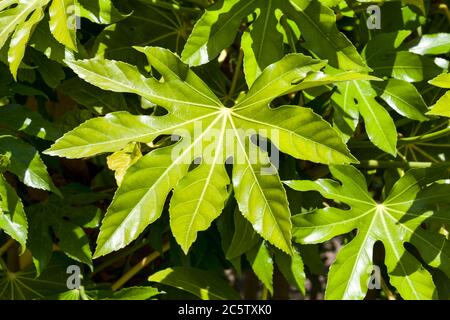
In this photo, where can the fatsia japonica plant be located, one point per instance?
(224, 149)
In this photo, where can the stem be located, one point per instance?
(119, 256)
(426, 137)
(138, 267)
(443, 7)
(236, 75)
(289, 33)
(405, 141)
(265, 293)
(374, 164)
(386, 290)
(6, 246)
(3, 264)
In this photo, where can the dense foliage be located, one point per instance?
(177, 149)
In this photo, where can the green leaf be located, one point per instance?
(27, 285)
(189, 215)
(405, 66)
(148, 25)
(21, 20)
(121, 160)
(262, 199)
(140, 199)
(438, 43)
(64, 219)
(261, 261)
(62, 22)
(262, 47)
(27, 164)
(91, 96)
(20, 39)
(358, 96)
(418, 3)
(203, 284)
(224, 133)
(292, 268)
(403, 97)
(244, 237)
(131, 293)
(20, 118)
(442, 106)
(397, 220)
(263, 44)
(12, 216)
(51, 71)
(11, 18)
(99, 11)
(442, 80)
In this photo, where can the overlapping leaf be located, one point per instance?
(442, 106)
(413, 201)
(61, 221)
(12, 215)
(356, 98)
(197, 116)
(200, 283)
(18, 19)
(263, 43)
(26, 163)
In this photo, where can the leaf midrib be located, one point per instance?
(207, 181)
(276, 225)
(268, 124)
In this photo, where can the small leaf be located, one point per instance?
(292, 268)
(203, 284)
(261, 261)
(62, 22)
(12, 216)
(27, 164)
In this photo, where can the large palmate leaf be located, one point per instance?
(27, 285)
(209, 131)
(442, 106)
(263, 42)
(148, 25)
(412, 202)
